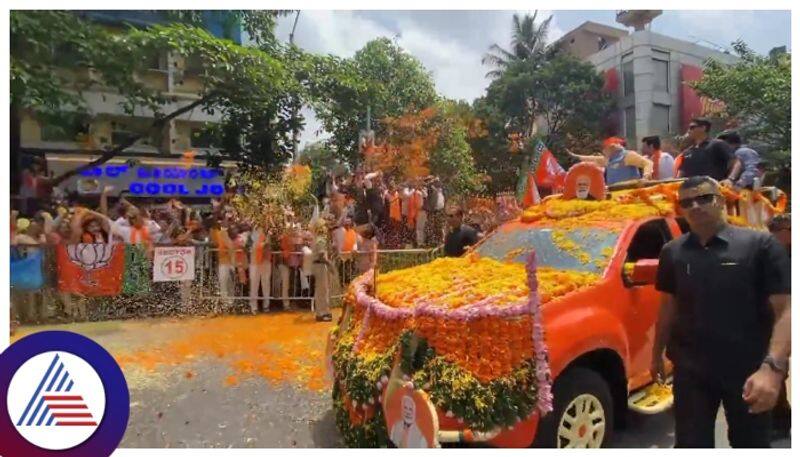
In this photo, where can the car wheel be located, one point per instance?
(583, 412)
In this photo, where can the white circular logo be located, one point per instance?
(56, 400)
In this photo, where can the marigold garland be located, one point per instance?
(495, 305)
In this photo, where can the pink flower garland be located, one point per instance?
(488, 307)
(545, 395)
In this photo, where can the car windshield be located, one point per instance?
(580, 249)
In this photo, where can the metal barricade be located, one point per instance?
(289, 282)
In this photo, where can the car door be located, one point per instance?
(642, 299)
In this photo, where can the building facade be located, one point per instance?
(649, 75)
(84, 138)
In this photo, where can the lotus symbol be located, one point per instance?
(90, 256)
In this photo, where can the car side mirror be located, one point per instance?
(641, 273)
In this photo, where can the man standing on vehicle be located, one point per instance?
(663, 162)
(725, 322)
(620, 164)
(706, 156)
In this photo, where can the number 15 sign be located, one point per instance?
(173, 264)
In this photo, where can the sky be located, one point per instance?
(450, 44)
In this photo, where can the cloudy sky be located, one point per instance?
(450, 43)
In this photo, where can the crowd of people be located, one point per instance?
(725, 158)
(361, 212)
(253, 260)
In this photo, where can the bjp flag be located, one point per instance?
(531, 196)
(549, 173)
(93, 270)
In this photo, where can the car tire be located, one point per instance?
(583, 412)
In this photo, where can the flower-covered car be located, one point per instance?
(541, 334)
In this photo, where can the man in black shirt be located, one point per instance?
(708, 157)
(724, 320)
(459, 235)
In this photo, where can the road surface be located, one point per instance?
(250, 382)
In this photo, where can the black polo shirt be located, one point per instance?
(709, 158)
(457, 240)
(723, 320)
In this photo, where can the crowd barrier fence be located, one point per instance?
(290, 283)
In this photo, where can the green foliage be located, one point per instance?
(253, 88)
(259, 24)
(321, 158)
(756, 91)
(570, 99)
(451, 159)
(528, 43)
(491, 152)
(42, 42)
(382, 76)
(563, 95)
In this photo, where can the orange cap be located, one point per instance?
(612, 140)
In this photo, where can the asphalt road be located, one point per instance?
(190, 405)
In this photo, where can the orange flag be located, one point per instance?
(93, 270)
(531, 196)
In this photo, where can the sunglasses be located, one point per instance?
(701, 200)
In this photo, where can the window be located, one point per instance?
(648, 241)
(602, 43)
(122, 133)
(630, 124)
(65, 129)
(660, 71)
(659, 119)
(194, 65)
(627, 78)
(201, 138)
(156, 61)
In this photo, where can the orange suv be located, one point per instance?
(596, 270)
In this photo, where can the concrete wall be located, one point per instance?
(643, 45)
(585, 43)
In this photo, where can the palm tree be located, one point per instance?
(528, 41)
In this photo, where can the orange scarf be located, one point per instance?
(414, 205)
(656, 163)
(678, 163)
(350, 238)
(258, 249)
(140, 235)
(394, 207)
(224, 252)
(287, 246)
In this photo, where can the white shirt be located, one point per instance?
(405, 197)
(439, 200)
(124, 230)
(666, 166)
(308, 261)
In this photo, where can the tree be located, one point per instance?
(562, 97)
(382, 76)
(247, 85)
(528, 42)
(756, 92)
(321, 159)
(451, 159)
(431, 141)
(570, 100)
(491, 152)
